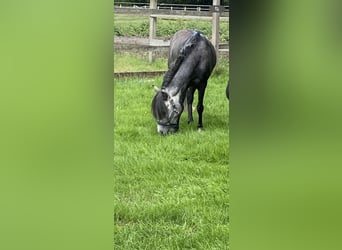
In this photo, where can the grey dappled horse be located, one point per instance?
(191, 60)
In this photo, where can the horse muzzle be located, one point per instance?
(164, 130)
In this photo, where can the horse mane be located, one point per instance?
(158, 107)
(184, 51)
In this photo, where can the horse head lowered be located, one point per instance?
(167, 110)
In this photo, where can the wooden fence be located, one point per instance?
(176, 11)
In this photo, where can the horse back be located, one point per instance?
(203, 54)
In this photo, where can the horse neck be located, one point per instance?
(180, 80)
(177, 89)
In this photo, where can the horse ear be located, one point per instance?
(156, 89)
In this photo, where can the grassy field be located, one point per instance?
(170, 192)
(131, 25)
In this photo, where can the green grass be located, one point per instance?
(132, 25)
(170, 192)
(126, 61)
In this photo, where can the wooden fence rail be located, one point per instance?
(169, 10)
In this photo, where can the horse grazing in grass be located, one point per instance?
(191, 60)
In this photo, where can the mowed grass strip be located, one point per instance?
(170, 192)
(126, 61)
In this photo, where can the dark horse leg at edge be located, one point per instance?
(227, 90)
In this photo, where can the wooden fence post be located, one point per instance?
(216, 24)
(153, 22)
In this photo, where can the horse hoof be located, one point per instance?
(200, 129)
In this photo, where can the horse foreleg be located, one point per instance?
(189, 99)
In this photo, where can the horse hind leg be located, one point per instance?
(189, 100)
(200, 107)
